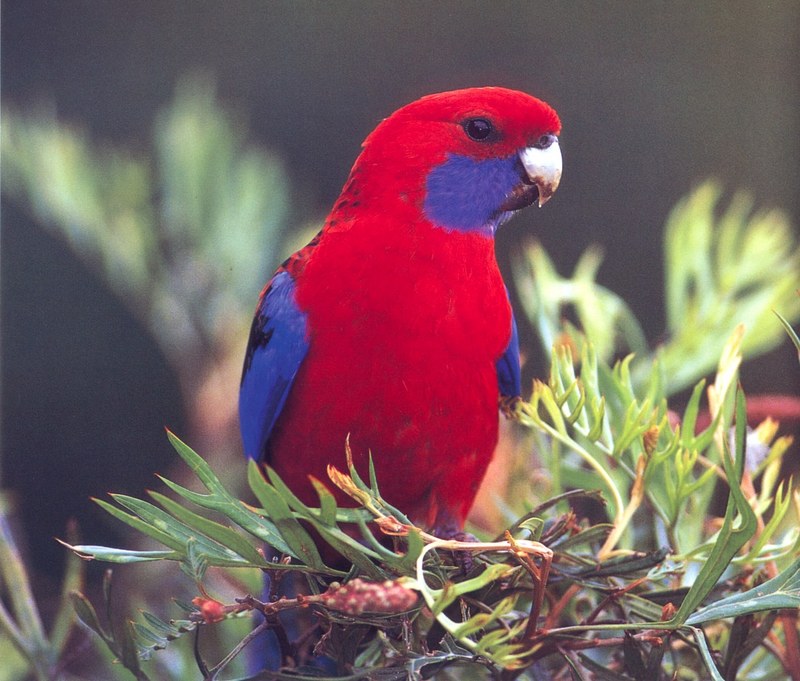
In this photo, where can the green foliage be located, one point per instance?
(172, 233)
(722, 269)
(26, 648)
(490, 615)
(134, 642)
(546, 296)
(782, 591)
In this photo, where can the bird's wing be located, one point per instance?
(278, 343)
(509, 377)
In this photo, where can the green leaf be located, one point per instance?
(300, 542)
(622, 565)
(425, 667)
(352, 550)
(197, 464)
(128, 650)
(782, 501)
(153, 515)
(162, 628)
(705, 653)
(732, 535)
(603, 315)
(327, 503)
(88, 615)
(72, 581)
(141, 526)
(195, 563)
(221, 534)
(406, 565)
(236, 511)
(591, 535)
(690, 416)
(482, 621)
(782, 591)
(147, 638)
(221, 500)
(791, 332)
(111, 555)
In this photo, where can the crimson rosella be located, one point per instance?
(393, 325)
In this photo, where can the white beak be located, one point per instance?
(543, 167)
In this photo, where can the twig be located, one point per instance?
(198, 658)
(211, 674)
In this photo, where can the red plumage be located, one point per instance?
(406, 315)
(401, 358)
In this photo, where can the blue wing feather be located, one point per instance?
(509, 376)
(278, 344)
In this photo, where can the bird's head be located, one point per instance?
(467, 159)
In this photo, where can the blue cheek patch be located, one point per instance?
(465, 194)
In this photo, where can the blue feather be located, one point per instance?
(278, 344)
(509, 376)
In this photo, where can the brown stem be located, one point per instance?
(791, 659)
(561, 604)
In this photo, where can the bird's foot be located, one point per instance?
(508, 406)
(462, 559)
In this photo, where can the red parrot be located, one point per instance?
(393, 325)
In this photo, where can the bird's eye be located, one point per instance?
(478, 129)
(545, 141)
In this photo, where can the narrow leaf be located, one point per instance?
(150, 513)
(237, 512)
(87, 614)
(705, 653)
(730, 539)
(791, 333)
(297, 539)
(141, 526)
(221, 534)
(111, 555)
(782, 591)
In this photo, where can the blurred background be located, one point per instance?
(107, 337)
